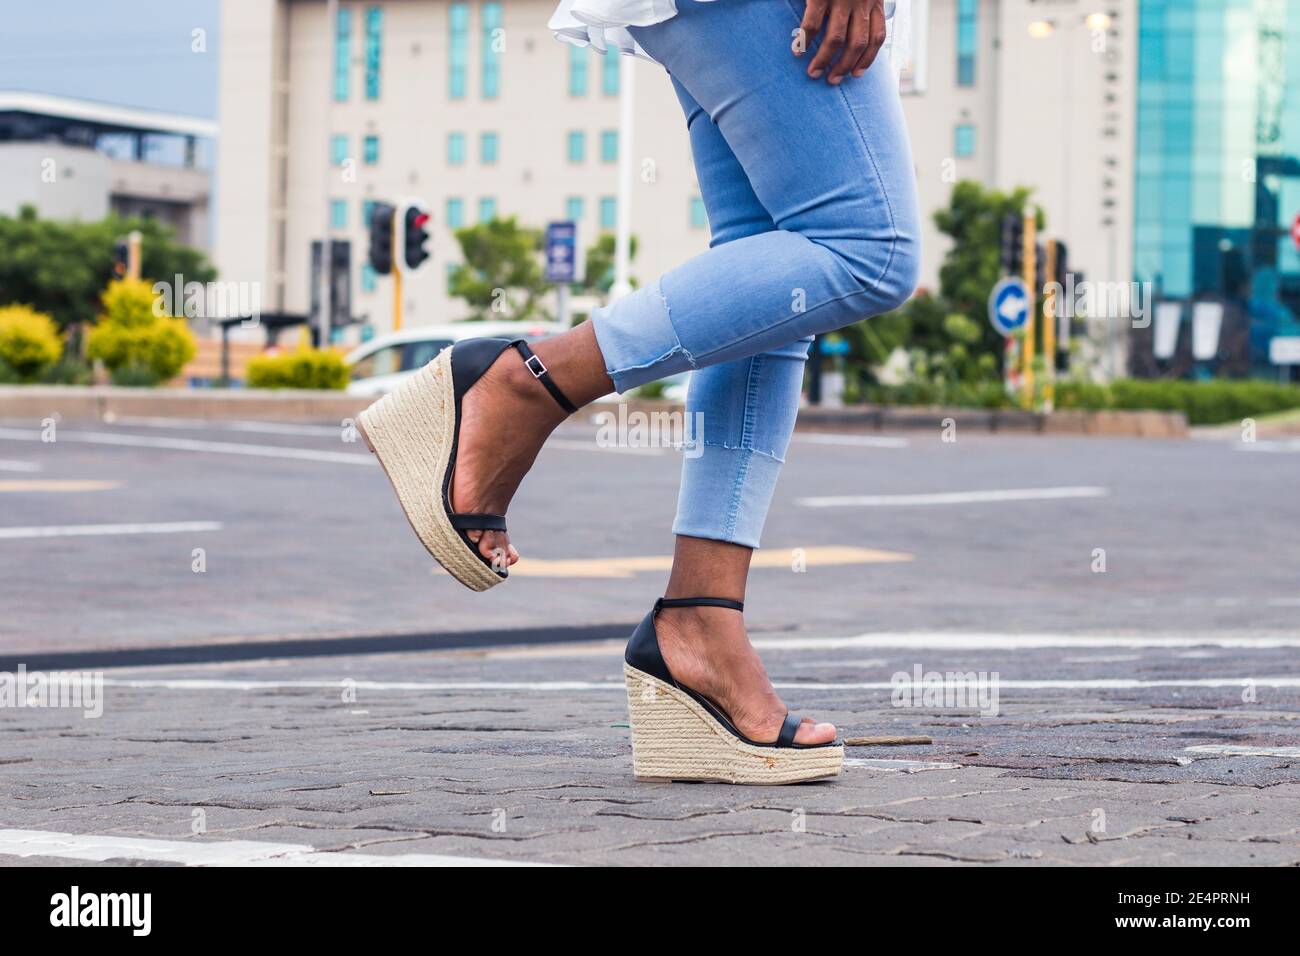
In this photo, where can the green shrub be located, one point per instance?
(303, 368)
(1085, 395)
(1204, 403)
(138, 346)
(29, 342)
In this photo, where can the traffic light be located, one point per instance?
(121, 258)
(414, 235)
(1013, 243)
(381, 238)
(1062, 263)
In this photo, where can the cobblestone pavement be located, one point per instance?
(523, 755)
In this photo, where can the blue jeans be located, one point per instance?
(811, 199)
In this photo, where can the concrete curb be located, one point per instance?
(106, 403)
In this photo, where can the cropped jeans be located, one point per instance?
(811, 199)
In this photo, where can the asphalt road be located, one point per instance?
(317, 694)
(1197, 535)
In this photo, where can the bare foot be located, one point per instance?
(505, 419)
(707, 650)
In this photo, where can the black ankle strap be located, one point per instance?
(699, 602)
(534, 365)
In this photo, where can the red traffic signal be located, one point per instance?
(414, 236)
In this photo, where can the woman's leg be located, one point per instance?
(829, 164)
(748, 408)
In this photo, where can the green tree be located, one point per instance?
(600, 264)
(61, 268)
(501, 273)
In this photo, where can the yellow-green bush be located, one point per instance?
(29, 341)
(139, 346)
(302, 368)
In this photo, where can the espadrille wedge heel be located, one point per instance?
(414, 431)
(678, 734)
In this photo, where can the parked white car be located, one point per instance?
(380, 364)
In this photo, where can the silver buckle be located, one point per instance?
(538, 370)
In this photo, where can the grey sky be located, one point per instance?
(129, 52)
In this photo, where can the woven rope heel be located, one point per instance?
(412, 431)
(675, 738)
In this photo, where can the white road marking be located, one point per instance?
(1279, 445)
(862, 441)
(191, 444)
(26, 467)
(89, 846)
(84, 530)
(953, 497)
(956, 641)
(578, 444)
(201, 424)
(1234, 750)
(1052, 683)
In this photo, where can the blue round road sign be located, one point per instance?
(1009, 305)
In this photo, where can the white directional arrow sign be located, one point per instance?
(1009, 305)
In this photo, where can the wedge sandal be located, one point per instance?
(414, 431)
(678, 734)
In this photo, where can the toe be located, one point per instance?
(810, 733)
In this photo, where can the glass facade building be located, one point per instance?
(1217, 183)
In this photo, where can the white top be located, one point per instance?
(603, 24)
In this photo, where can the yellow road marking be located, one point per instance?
(787, 558)
(50, 485)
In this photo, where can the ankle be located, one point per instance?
(525, 388)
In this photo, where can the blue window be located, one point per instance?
(964, 140)
(609, 146)
(491, 17)
(367, 277)
(370, 150)
(455, 213)
(487, 209)
(458, 58)
(968, 12)
(487, 148)
(577, 146)
(342, 54)
(367, 207)
(338, 213)
(455, 148)
(374, 50)
(699, 218)
(608, 212)
(451, 272)
(338, 149)
(578, 70)
(573, 208)
(609, 73)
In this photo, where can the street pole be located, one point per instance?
(1030, 260)
(623, 231)
(327, 241)
(1049, 331)
(133, 252)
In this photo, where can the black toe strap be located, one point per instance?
(534, 365)
(477, 521)
(788, 730)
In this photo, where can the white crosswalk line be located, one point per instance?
(79, 846)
